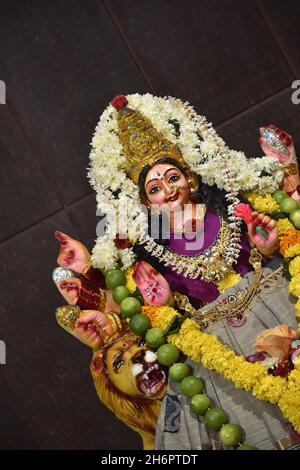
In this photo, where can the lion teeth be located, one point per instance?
(150, 356)
(137, 369)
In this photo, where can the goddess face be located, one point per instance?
(134, 369)
(166, 186)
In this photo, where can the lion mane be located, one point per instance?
(139, 413)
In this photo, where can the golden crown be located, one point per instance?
(142, 143)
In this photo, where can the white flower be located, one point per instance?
(104, 255)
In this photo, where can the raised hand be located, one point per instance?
(153, 286)
(278, 144)
(73, 254)
(269, 245)
(69, 289)
(91, 328)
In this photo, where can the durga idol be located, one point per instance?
(189, 297)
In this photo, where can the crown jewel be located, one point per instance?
(142, 143)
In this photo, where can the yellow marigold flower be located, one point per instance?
(229, 280)
(294, 266)
(130, 284)
(262, 203)
(289, 402)
(270, 388)
(292, 251)
(283, 225)
(151, 312)
(294, 285)
(164, 316)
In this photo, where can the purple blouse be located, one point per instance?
(196, 289)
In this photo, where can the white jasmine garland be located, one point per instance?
(203, 150)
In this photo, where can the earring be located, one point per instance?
(193, 184)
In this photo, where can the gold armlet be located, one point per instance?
(290, 169)
(67, 316)
(102, 300)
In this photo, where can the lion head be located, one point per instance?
(130, 382)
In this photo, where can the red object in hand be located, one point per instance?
(121, 243)
(119, 102)
(244, 211)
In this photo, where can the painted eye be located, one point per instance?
(141, 342)
(153, 190)
(173, 178)
(118, 362)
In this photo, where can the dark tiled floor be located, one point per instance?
(62, 61)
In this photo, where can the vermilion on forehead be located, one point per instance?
(158, 171)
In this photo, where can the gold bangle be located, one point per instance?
(87, 268)
(115, 320)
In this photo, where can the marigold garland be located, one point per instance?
(294, 266)
(207, 350)
(292, 250)
(283, 225)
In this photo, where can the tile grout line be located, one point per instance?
(127, 44)
(31, 226)
(34, 150)
(38, 161)
(260, 12)
(252, 108)
(49, 216)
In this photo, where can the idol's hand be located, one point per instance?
(267, 246)
(73, 254)
(69, 289)
(277, 143)
(91, 327)
(153, 286)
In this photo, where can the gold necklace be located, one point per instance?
(211, 266)
(234, 305)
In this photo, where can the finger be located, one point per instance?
(95, 343)
(87, 317)
(72, 283)
(61, 237)
(262, 220)
(94, 336)
(271, 224)
(144, 271)
(139, 274)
